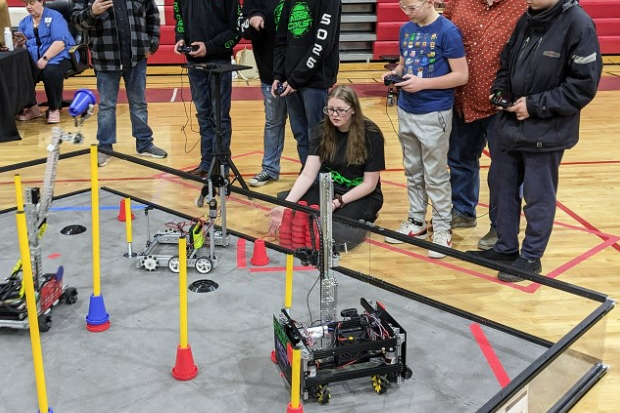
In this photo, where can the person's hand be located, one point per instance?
(412, 84)
(41, 63)
(288, 89)
(100, 6)
(275, 216)
(257, 22)
(177, 45)
(519, 108)
(201, 51)
(388, 73)
(19, 40)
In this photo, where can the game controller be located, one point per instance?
(391, 79)
(280, 89)
(187, 49)
(501, 99)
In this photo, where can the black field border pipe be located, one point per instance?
(555, 351)
(68, 194)
(41, 161)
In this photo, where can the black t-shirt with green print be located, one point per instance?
(348, 176)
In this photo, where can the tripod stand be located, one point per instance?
(221, 158)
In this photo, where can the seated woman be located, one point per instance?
(46, 36)
(350, 147)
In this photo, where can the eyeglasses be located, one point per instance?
(412, 9)
(336, 111)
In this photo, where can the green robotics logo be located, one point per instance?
(277, 12)
(300, 20)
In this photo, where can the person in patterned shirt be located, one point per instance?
(486, 26)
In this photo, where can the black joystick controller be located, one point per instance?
(280, 89)
(187, 49)
(392, 79)
(501, 99)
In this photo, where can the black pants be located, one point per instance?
(538, 173)
(365, 209)
(53, 80)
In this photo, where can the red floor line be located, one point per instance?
(574, 262)
(583, 222)
(446, 265)
(487, 351)
(241, 259)
(278, 269)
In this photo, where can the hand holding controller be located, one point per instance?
(187, 49)
(392, 79)
(501, 99)
(280, 89)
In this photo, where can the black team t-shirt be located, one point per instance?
(348, 176)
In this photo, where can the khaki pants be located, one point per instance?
(5, 19)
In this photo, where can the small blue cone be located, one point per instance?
(98, 319)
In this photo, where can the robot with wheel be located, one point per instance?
(49, 288)
(371, 344)
(154, 254)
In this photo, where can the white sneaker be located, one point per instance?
(410, 227)
(443, 238)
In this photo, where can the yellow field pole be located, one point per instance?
(182, 292)
(128, 228)
(98, 319)
(19, 192)
(288, 290)
(184, 368)
(94, 199)
(31, 305)
(295, 404)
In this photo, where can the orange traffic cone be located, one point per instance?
(184, 367)
(121, 212)
(259, 256)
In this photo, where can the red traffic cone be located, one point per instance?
(298, 409)
(121, 212)
(259, 256)
(184, 368)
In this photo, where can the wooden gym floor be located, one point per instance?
(584, 248)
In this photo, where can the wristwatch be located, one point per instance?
(44, 58)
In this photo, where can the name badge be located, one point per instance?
(48, 21)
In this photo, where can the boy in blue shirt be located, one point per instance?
(432, 61)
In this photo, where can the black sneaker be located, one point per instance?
(493, 255)
(261, 179)
(523, 264)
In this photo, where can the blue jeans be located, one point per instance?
(135, 84)
(305, 110)
(203, 86)
(273, 138)
(467, 141)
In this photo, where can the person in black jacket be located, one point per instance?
(306, 59)
(258, 23)
(209, 28)
(550, 70)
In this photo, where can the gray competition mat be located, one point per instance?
(128, 367)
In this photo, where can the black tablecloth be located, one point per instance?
(16, 90)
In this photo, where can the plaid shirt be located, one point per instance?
(103, 36)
